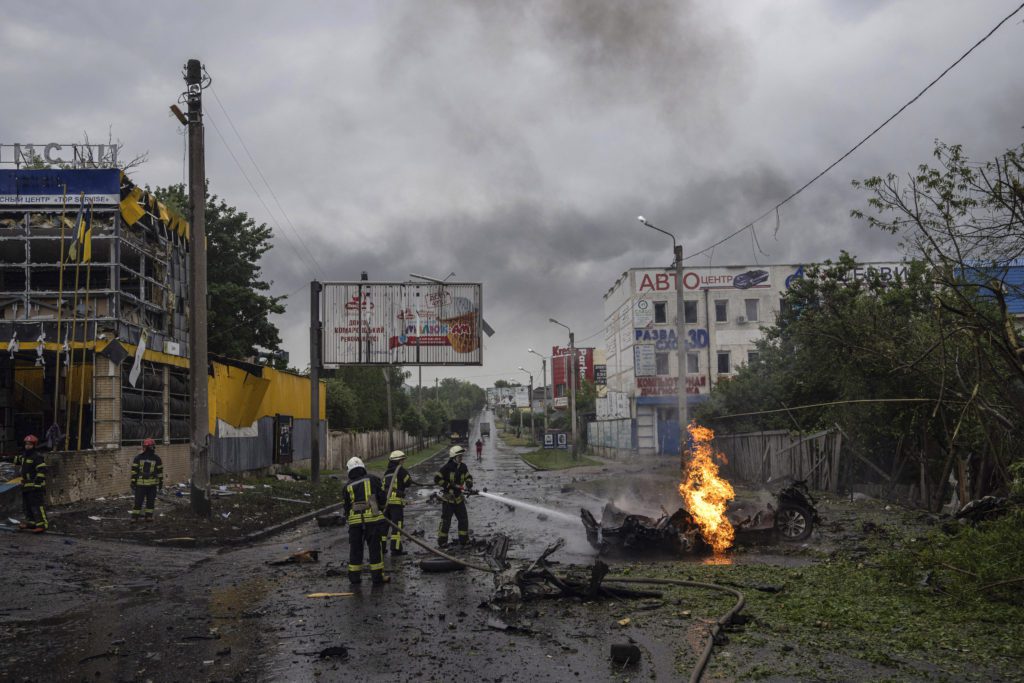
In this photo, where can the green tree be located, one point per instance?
(240, 306)
(413, 422)
(342, 405)
(436, 418)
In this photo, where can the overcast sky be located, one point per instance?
(515, 142)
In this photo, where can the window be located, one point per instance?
(751, 309)
(692, 363)
(659, 312)
(690, 311)
(721, 310)
(560, 391)
(661, 363)
(752, 357)
(723, 363)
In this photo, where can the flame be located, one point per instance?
(706, 494)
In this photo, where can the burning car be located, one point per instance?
(791, 518)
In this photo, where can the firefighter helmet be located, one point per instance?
(456, 451)
(148, 443)
(31, 439)
(397, 455)
(354, 463)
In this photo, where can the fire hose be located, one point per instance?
(722, 621)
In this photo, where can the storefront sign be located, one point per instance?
(665, 385)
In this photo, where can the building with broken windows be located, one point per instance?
(725, 308)
(94, 352)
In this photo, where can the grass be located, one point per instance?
(511, 439)
(413, 458)
(887, 608)
(556, 459)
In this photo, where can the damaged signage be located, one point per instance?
(401, 323)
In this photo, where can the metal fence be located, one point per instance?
(611, 437)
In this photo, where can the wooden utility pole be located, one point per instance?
(314, 380)
(391, 420)
(200, 412)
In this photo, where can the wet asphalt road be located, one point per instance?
(95, 610)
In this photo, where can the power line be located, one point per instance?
(775, 209)
(245, 175)
(264, 178)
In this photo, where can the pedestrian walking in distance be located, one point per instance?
(33, 486)
(364, 502)
(147, 479)
(396, 481)
(454, 479)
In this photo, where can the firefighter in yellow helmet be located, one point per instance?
(454, 479)
(364, 500)
(396, 481)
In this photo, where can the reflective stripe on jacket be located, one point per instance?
(147, 470)
(33, 470)
(450, 477)
(362, 499)
(402, 481)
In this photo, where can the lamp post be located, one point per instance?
(544, 377)
(533, 430)
(572, 382)
(677, 252)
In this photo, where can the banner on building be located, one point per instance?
(401, 323)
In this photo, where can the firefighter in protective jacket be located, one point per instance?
(364, 502)
(33, 486)
(396, 481)
(147, 478)
(454, 479)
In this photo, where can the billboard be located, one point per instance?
(401, 323)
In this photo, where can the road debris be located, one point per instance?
(329, 595)
(625, 653)
(301, 557)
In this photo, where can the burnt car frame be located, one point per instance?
(791, 518)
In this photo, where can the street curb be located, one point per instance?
(295, 521)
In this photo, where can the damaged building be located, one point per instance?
(94, 314)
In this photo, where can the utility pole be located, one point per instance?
(572, 391)
(200, 412)
(677, 253)
(681, 348)
(544, 377)
(314, 380)
(391, 422)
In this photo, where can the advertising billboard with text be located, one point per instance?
(401, 323)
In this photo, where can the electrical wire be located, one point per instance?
(265, 182)
(245, 175)
(915, 98)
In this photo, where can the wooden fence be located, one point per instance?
(762, 457)
(365, 445)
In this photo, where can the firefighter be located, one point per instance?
(453, 478)
(33, 486)
(396, 481)
(364, 500)
(147, 479)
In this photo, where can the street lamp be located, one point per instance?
(572, 382)
(533, 430)
(543, 376)
(677, 252)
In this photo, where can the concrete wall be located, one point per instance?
(82, 475)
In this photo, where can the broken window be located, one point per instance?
(661, 363)
(659, 312)
(723, 363)
(690, 311)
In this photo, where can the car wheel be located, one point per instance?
(793, 522)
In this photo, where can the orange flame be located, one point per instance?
(706, 494)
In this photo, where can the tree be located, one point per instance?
(436, 418)
(413, 422)
(342, 405)
(240, 308)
